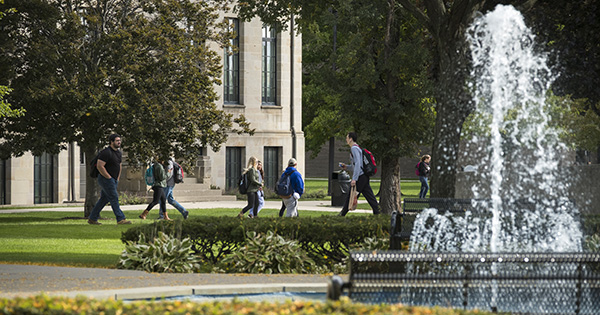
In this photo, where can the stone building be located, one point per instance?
(262, 81)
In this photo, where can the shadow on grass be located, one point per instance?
(59, 259)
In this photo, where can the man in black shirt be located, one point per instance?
(109, 167)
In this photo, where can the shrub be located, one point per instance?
(163, 254)
(326, 239)
(126, 198)
(592, 243)
(269, 254)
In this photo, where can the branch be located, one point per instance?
(416, 12)
(527, 5)
(462, 13)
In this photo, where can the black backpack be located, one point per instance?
(94, 167)
(284, 185)
(243, 183)
(177, 173)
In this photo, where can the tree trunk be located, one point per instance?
(390, 190)
(454, 105)
(91, 185)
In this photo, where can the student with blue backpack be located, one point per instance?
(158, 183)
(290, 187)
(360, 177)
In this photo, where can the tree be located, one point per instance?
(144, 69)
(570, 31)
(5, 109)
(374, 82)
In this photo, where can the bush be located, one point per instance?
(162, 254)
(43, 304)
(126, 198)
(326, 239)
(268, 254)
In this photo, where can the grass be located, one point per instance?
(58, 238)
(54, 238)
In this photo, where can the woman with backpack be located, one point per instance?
(424, 170)
(253, 186)
(159, 185)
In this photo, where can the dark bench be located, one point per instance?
(532, 283)
(412, 206)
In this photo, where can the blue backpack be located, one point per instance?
(284, 185)
(150, 175)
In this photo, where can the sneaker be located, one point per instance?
(92, 222)
(186, 214)
(124, 222)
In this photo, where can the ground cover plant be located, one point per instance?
(81, 305)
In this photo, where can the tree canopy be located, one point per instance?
(374, 81)
(144, 69)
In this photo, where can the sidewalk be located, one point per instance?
(313, 205)
(98, 283)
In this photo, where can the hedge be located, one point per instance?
(326, 239)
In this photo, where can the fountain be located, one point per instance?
(520, 187)
(517, 246)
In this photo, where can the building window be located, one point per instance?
(2, 182)
(233, 167)
(43, 178)
(231, 66)
(272, 166)
(269, 65)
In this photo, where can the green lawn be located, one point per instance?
(62, 238)
(58, 238)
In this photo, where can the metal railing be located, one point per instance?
(532, 283)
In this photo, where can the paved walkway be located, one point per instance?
(314, 205)
(27, 280)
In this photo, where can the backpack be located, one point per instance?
(243, 183)
(150, 175)
(417, 169)
(284, 185)
(94, 167)
(369, 167)
(177, 173)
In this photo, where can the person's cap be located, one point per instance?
(292, 162)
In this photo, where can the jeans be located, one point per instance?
(363, 187)
(108, 194)
(424, 187)
(291, 205)
(261, 202)
(171, 200)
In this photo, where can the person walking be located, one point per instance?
(169, 190)
(109, 167)
(160, 183)
(253, 187)
(359, 178)
(297, 188)
(260, 194)
(424, 171)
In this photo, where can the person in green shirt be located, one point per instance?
(160, 183)
(254, 185)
